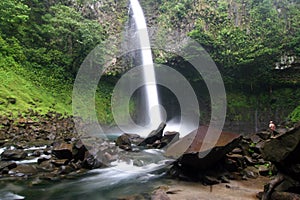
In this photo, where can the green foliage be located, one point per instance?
(47, 35)
(67, 39)
(244, 50)
(42, 45)
(13, 14)
(292, 41)
(295, 115)
(28, 95)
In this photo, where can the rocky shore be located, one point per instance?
(44, 147)
(47, 147)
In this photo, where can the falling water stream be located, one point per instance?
(152, 99)
(125, 176)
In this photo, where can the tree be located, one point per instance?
(244, 42)
(13, 15)
(67, 31)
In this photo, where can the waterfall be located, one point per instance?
(143, 43)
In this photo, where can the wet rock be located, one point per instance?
(284, 152)
(231, 165)
(24, 169)
(285, 196)
(76, 165)
(255, 138)
(109, 157)
(134, 138)
(7, 165)
(154, 135)
(264, 135)
(234, 162)
(281, 130)
(50, 136)
(63, 150)
(168, 138)
(79, 150)
(13, 155)
(201, 158)
(256, 155)
(43, 158)
(251, 172)
(264, 170)
(60, 162)
(65, 169)
(2, 142)
(245, 146)
(235, 156)
(51, 176)
(260, 145)
(250, 160)
(288, 184)
(269, 188)
(90, 162)
(36, 153)
(124, 142)
(237, 151)
(46, 166)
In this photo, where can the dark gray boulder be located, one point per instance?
(63, 150)
(13, 154)
(194, 156)
(124, 142)
(284, 151)
(154, 135)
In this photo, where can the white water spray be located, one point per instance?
(153, 106)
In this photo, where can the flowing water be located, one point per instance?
(146, 60)
(136, 173)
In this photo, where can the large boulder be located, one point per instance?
(154, 135)
(24, 169)
(63, 150)
(6, 165)
(13, 154)
(284, 196)
(168, 139)
(284, 151)
(90, 162)
(124, 141)
(200, 152)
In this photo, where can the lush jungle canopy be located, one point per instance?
(255, 44)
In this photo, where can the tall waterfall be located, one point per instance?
(151, 94)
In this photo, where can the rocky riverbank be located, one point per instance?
(41, 148)
(45, 147)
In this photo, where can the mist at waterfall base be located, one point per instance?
(135, 173)
(150, 107)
